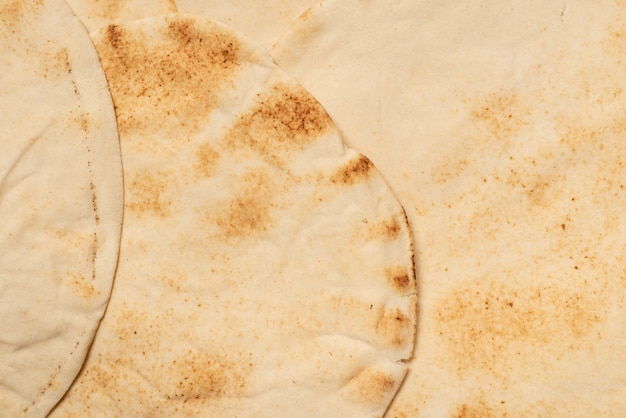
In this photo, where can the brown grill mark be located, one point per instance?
(283, 120)
(356, 170)
(167, 84)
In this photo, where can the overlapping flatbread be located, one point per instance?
(265, 270)
(262, 21)
(60, 202)
(501, 127)
(96, 14)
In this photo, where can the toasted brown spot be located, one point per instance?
(124, 10)
(147, 193)
(502, 115)
(399, 277)
(355, 171)
(197, 375)
(55, 64)
(478, 409)
(283, 120)
(206, 160)
(371, 386)
(168, 82)
(80, 285)
(94, 202)
(251, 210)
(114, 36)
(394, 326)
(388, 230)
(489, 325)
(449, 167)
(13, 12)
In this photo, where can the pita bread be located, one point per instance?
(60, 202)
(265, 270)
(264, 22)
(500, 126)
(96, 14)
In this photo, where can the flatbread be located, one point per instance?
(263, 21)
(60, 202)
(96, 14)
(501, 127)
(265, 270)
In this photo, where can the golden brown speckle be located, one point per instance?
(198, 375)
(487, 326)
(169, 83)
(206, 160)
(355, 171)
(371, 386)
(284, 119)
(394, 326)
(478, 409)
(147, 193)
(502, 115)
(251, 210)
(399, 277)
(80, 286)
(389, 230)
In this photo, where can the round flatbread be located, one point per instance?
(500, 126)
(265, 270)
(96, 14)
(263, 21)
(60, 202)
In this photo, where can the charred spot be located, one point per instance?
(355, 171)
